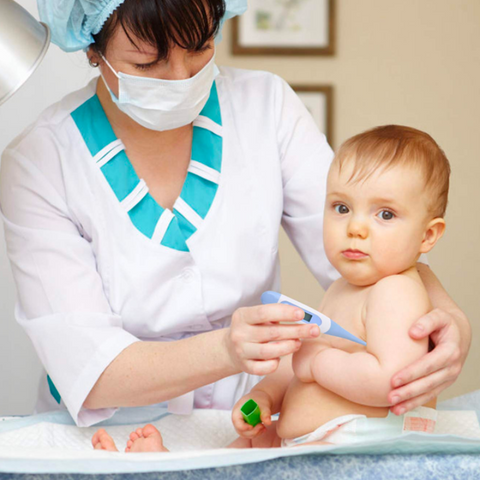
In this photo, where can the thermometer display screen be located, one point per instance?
(307, 317)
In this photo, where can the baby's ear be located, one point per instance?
(433, 233)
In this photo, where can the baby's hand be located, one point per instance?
(241, 426)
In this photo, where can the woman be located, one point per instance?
(142, 217)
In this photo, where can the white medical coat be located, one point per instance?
(91, 282)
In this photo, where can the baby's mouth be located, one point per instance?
(354, 254)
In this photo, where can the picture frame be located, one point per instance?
(285, 27)
(319, 102)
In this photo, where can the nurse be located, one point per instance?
(142, 215)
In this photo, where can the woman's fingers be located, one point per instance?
(419, 387)
(261, 367)
(427, 377)
(256, 339)
(269, 351)
(276, 332)
(435, 320)
(441, 357)
(415, 402)
(275, 312)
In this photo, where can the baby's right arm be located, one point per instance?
(268, 394)
(393, 305)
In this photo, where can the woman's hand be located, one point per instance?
(423, 380)
(256, 340)
(264, 402)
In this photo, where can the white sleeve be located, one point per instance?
(61, 302)
(423, 259)
(306, 157)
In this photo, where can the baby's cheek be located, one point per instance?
(394, 259)
(329, 242)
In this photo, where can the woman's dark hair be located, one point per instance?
(164, 23)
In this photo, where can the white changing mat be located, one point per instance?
(202, 430)
(50, 443)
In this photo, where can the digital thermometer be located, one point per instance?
(326, 324)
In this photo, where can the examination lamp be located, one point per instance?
(23, 43)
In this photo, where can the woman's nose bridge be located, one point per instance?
(178, 64)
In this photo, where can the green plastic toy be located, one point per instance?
(251, 412)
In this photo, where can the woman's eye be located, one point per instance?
(386, 215)
(203, 49)
(144, 66)
(342, 209)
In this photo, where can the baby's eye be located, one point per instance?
(386, 215)
(342, 209)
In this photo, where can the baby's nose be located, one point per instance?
(357, 228)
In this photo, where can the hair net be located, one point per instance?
(73, 22)
(233, 8)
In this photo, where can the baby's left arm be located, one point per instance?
(393, 305)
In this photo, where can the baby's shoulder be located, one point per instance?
(400, 291)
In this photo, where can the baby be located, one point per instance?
(386, 198)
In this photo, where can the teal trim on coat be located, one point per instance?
(197, 192)
(53, 390)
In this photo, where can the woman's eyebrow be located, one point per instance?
(152, 54)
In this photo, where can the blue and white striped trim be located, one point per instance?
(199, 190)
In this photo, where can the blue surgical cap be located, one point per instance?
(234, 8)
(74, 22)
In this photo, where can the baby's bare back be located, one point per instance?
(307, 405)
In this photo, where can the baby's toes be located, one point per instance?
(134, 436)
(103, 441)
(96, 438)
(139, 432)
(149, 441)
(149, 430)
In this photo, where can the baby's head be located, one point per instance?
(386, 198)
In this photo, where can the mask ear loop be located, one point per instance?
(109, 66)
(114, 98)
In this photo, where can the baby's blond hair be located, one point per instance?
(394, 145)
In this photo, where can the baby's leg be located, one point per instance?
(103, 441)
(268, 439)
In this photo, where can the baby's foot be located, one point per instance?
(146, 439)
(103, 441)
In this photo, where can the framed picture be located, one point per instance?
(319, 102)
(285, 27)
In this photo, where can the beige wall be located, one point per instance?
(410, 62)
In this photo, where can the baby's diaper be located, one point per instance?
(339, 430)
(349, 429)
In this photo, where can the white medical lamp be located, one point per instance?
(23, 43)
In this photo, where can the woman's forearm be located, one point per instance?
(146, 373)
(440, 299)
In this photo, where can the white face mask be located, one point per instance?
(163, 104)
